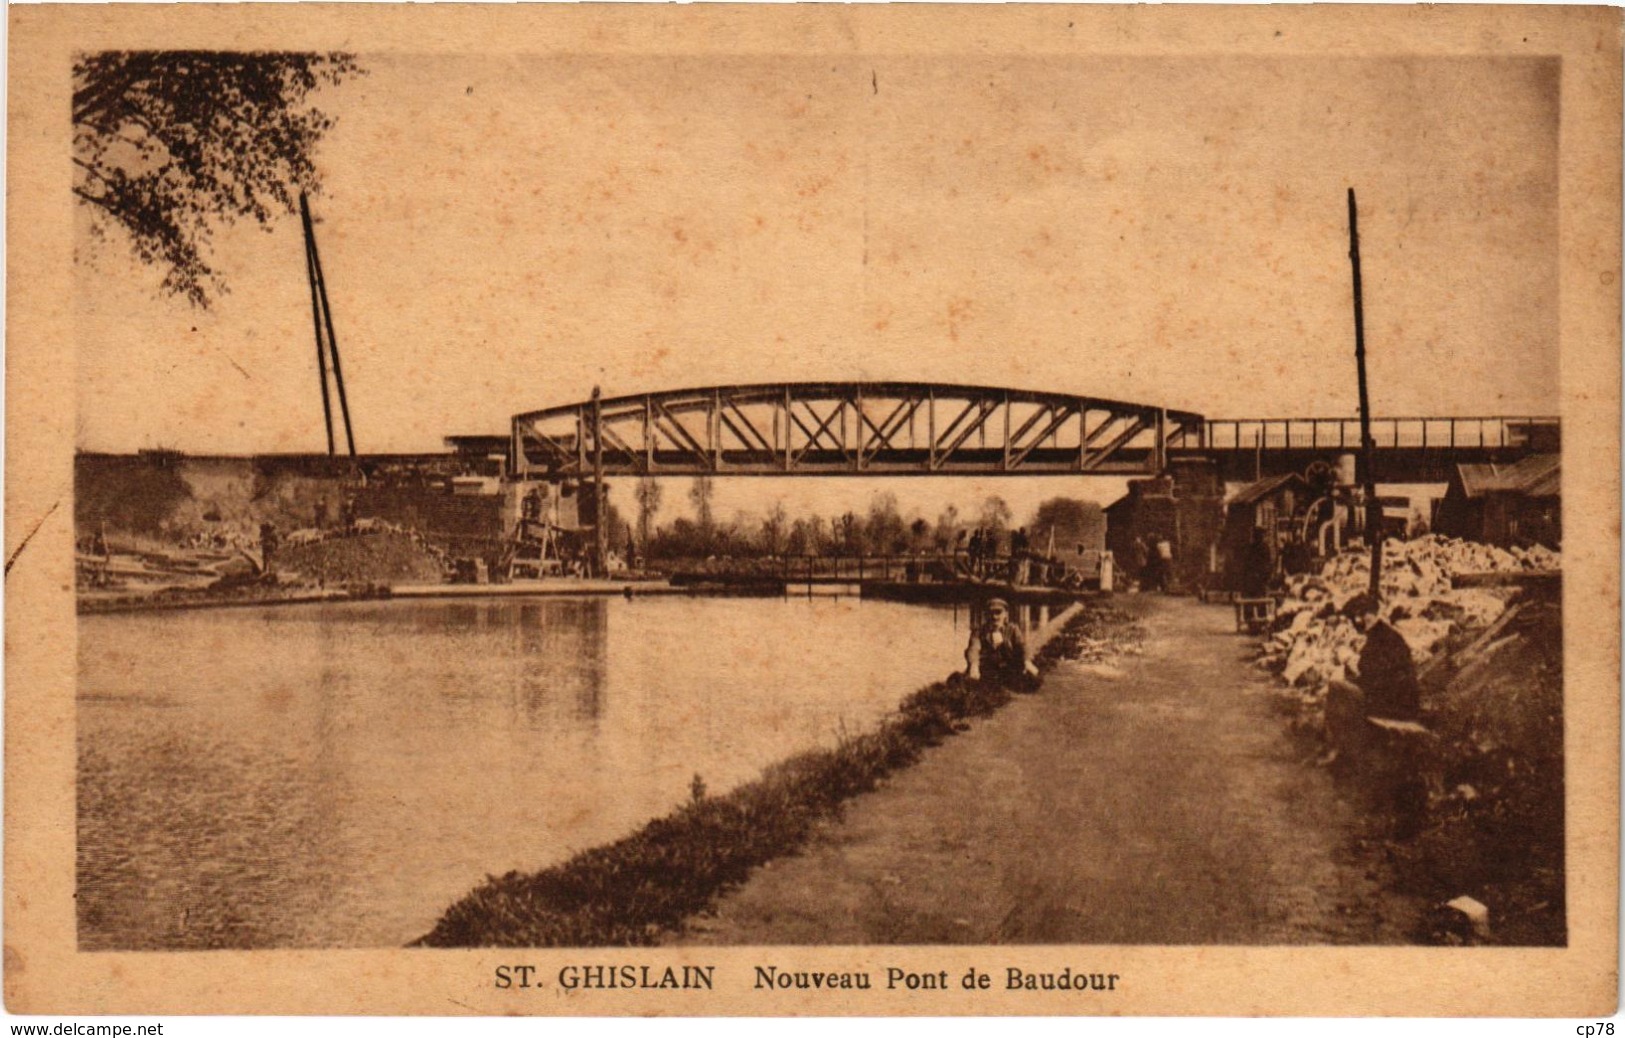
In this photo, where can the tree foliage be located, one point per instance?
(1073, 521)
(648, 494)
(700, 492)
(170, 144)
(996, 514)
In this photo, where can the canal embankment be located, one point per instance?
(1143, 797)
(637, 889)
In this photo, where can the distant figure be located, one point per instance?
(1256, 567)
(1020, 557)
(1138, 562)
(269, 541)
(997, 649)
(1156, 573)
(319, 519)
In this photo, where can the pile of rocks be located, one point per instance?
(381, 556)
(1311, 643)
(1098, 635)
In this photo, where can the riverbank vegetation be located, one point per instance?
(880, 529)
(631, 891)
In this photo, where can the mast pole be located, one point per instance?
(316, 319)
(1373, 508)
(327, 317)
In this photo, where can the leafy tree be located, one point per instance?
(681, 539)
(170, 144)
(701, 493)
(919, 534)
(996, 514)
(807, 536)
(885, 530)
(648, 497)
(774, 529)
(1075, 522)
(848, 533)
(948, 527)
(616, 528)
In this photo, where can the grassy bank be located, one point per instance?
(628, 892)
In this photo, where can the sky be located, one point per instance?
(502, 235)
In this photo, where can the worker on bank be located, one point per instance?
(1158, 556)
(997, 649)
(269, 542)
(1387, 675)
(1256, 567)
(1387, 690)
(1385, 682)
(1020, 557)
(1138, 561)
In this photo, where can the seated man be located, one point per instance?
(1387, 673)
(997, 649)
(1386, 685)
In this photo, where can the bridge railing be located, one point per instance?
(856, 569)
(1344, 433)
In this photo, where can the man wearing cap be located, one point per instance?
(1387, 673)
(997, 649)
(1386, 685)
(1390, 700)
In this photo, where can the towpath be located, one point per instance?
(1156, 801)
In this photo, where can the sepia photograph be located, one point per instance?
(712, 527)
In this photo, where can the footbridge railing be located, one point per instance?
(1421, 433)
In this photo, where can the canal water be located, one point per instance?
(337, 775)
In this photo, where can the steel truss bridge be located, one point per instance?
(849, 428)
(923, 428)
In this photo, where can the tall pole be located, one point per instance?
(600, 499)
(1373, 508)
(316, 320)
(327, 318)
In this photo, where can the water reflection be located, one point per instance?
(336, 775)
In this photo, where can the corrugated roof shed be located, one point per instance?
(1263, 488)
(1539, 475)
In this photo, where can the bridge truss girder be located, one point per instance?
(848, 429)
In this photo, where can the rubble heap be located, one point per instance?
(1311, 643)
(378, 555)
(1098, 636)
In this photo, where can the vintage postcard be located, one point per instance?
(785, 510)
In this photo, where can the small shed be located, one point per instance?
(1269, 509)
(1506, 505)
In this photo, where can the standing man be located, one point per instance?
(1139, 563)
(269, 542)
